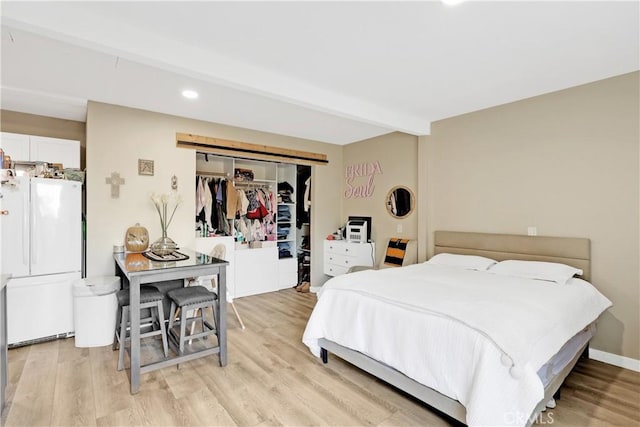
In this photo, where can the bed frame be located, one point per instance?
(570, 251)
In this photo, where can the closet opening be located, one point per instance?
(261, 212)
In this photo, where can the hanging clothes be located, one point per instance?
(222, 209)
(243, 201)
(232, 200)
(200, 200)
(306, 204)
(303, 196)
(213, 217)
(208, 205)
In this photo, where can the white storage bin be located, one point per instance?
(94, 310)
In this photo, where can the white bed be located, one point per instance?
(484, 348)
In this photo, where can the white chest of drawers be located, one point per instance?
(340, 255)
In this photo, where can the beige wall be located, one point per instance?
(565, 162)
(117, 137)
(32, 124)
(397, 154)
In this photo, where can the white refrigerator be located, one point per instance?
(42, 250)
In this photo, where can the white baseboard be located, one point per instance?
(614, 359)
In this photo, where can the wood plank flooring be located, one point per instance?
(271, 379)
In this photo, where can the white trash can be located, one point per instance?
(94, 310)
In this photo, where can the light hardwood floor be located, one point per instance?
(271, 379)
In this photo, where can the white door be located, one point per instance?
(256, 271)
(15, 145)
(56, 226)
(55, 150)
(15, 227)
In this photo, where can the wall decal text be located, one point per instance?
(358, 178)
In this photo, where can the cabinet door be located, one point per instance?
(54, 150)
(287, 273)
(256, 271)
(56, 226)
(15, 145)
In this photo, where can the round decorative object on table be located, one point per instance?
(137, 239)
(163, 246)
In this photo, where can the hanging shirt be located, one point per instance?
(200, 200)
(273, 201)
(208, 203)
(243, 202)
(232, 200)
(307, 195)
(219, 192)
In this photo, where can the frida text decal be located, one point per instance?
(358, 179)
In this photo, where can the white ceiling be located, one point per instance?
(337, 72)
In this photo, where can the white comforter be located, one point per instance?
(475, 337)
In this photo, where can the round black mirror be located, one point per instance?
(400, 201)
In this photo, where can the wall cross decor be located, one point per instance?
(115, 181)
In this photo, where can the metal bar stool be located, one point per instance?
(191, 298)
(150, 298)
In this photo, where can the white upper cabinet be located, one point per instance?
(41, 149)
(55, 150)
(15, 145)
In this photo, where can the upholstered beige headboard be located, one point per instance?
(572, 251)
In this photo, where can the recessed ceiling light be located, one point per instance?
(452, 2)
(191, 94)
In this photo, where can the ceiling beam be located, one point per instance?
(92, 31)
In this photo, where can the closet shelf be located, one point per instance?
(218, 174)
(253, 184)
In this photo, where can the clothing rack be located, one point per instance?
(246, 184)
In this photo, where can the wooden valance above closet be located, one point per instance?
(224, 147)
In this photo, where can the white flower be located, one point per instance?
(161, 202)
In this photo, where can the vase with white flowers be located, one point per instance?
(164, 204)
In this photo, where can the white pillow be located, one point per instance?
(539, 270)
(468, 262)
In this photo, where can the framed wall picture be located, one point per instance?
(145, 167)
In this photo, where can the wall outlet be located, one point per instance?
(399, 228)
(532, 231)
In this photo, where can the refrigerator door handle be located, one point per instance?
(34, 231)
(25, 227)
